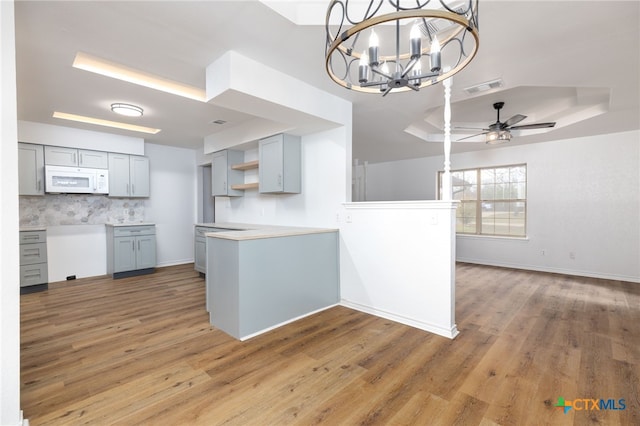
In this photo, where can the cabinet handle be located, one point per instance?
(127, 189)
(39, 182)
(133, 189)
(80, 156)
(138, 245)
(279, 179)
(133, 246)
(74, 157)
(224, 185)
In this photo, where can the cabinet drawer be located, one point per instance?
(133, 231)
(28, 237)
(33, 253)
(201, 230)
(33, 274)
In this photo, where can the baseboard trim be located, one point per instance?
(273, 327)
(551, 270)
(431, 328)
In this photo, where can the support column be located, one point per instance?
(447, 193)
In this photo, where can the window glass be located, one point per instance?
(493, 200)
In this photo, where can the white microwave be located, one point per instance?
(76, 180)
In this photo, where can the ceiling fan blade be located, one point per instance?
(533, 126)
(513, 120)
(469, 137)
(470, 128)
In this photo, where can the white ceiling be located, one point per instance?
(574, 62)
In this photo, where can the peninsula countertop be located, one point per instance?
(244, 231)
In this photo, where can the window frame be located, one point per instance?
(479, 201)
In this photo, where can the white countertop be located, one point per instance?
(244, 231)
(33, 228)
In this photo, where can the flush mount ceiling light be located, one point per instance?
(410, 44)
(121, 72)
(126, 109)
(107, 123)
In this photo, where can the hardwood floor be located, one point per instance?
(140, 351)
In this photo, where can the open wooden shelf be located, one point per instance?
(245, 166)
(244, 186)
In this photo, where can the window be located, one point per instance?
(493, 200)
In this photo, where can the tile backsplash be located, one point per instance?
(79, 209)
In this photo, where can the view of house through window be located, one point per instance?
(493, 200)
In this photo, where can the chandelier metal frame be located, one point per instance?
(371, 75)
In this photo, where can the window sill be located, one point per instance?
(492, 237)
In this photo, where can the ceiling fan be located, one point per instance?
(499, 132)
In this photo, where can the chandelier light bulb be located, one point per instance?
(363, 69)
(384, 69)
(373, 39)
(435, 54)
(415, 42)
(373, 49)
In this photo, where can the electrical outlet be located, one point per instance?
(543, 252)
(572, 255)
(348, 218)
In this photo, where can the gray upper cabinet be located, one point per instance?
(222, 176)
(128, 175)
(139, 176)
(30, 169)
(280, 164)
(61, 156)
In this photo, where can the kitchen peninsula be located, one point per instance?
(261, 276)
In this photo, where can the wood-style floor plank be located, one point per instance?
(140, 351)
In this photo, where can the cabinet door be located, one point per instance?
(118, 175)
(146, 251)
(59, 156)
(139, 176)
(93, 159)
(200, 255)
(124, 254)
(30, 169)
(219, 173)
(271, 164)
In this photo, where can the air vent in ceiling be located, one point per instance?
(218, 122)
(483, 87)
(435, 26)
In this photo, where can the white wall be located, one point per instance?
(10, 413)
(413, 180)
(173, 200)
(47, 134)
(397, 262)
(324, 171)
(583, 198)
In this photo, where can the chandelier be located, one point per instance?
(409, 45)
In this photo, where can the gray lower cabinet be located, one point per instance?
(200, 249)
(254, 285)
(131, 250)
(33, 258)
(200, 246)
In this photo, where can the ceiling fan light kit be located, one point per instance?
(401, 39)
